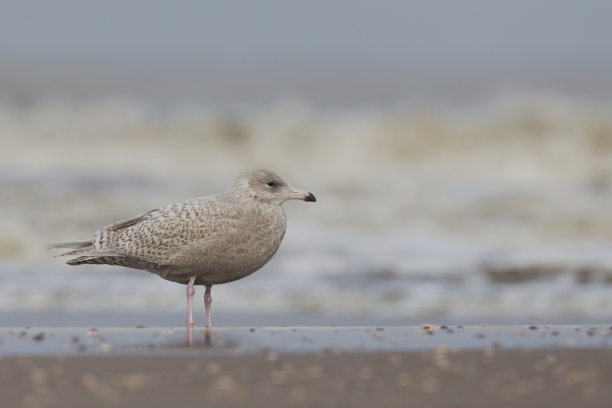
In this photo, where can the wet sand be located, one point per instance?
(427, 366)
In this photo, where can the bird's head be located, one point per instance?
(268, 187)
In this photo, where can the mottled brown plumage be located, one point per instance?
(207, 241)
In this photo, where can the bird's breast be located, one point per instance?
(264, 229)
(233, 253)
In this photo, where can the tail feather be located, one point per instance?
(71, 244)
(113, 259)
(88, 259)
(77, 247)
(86, 254)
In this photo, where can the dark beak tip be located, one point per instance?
(310, 197)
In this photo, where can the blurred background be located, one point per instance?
(460, 153)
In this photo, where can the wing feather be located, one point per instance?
(129, 222)
(158, 235)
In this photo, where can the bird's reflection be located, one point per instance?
(207, 337)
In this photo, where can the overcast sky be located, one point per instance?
(421, 33)
(331, 51)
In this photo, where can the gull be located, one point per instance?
(203, 241)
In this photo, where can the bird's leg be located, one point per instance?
(207, 303)
(190, 291)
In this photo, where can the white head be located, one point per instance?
(268, 187)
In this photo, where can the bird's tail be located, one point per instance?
(76, 247)
(86, 254)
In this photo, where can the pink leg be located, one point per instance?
(190, 292)
(207, 303)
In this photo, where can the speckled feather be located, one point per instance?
(216, 239)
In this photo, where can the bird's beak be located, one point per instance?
(301, 195)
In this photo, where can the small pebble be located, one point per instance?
(428, 327)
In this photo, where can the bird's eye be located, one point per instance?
(271, 183)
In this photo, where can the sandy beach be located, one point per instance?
(428, 366)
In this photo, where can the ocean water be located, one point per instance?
(498, 210)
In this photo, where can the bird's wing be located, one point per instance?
(157, 235)
(126, 223)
